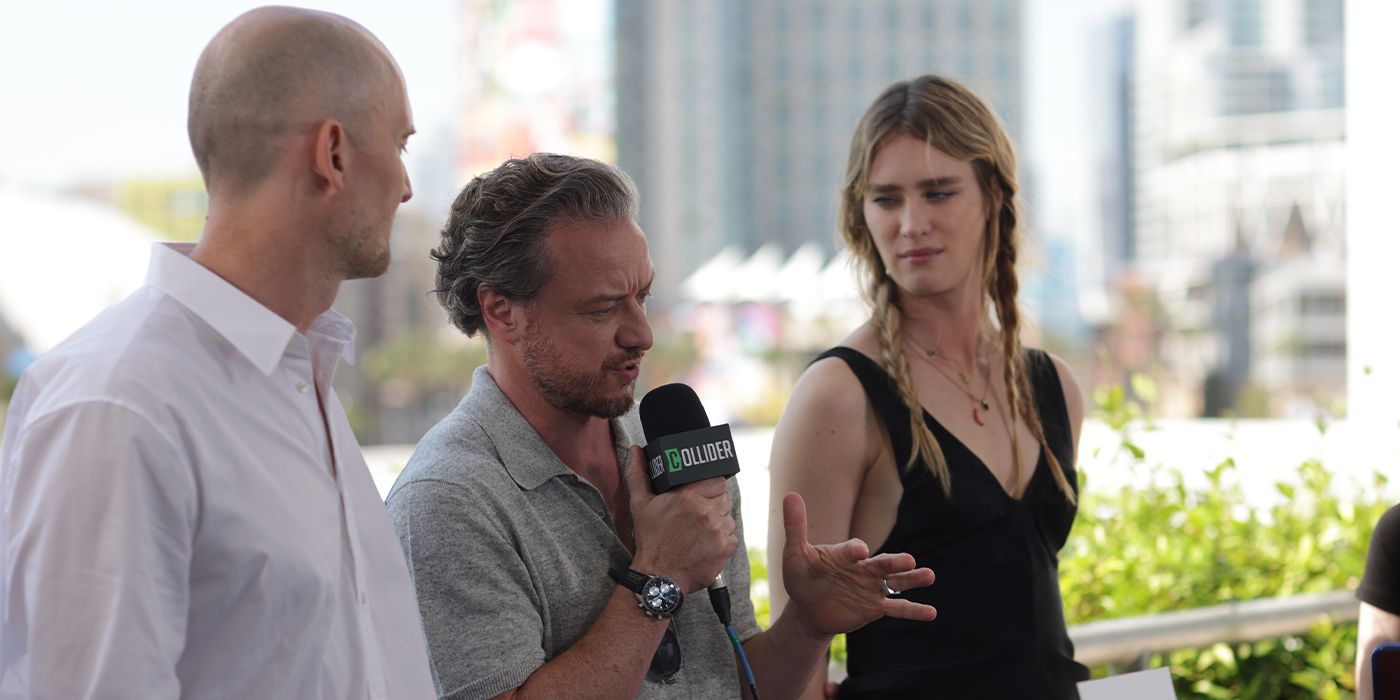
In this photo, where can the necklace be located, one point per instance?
(966, 378)
(978, 404)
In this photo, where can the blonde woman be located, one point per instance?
(930, 429)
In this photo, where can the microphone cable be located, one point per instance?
(719, 598)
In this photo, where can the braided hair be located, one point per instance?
(949, 117)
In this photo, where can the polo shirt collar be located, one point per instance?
(254, 330)
(527, 458)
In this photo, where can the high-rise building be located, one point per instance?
(686, 129)
(1239, 119)
(1112, 293)
(1117, 191)
(735, 116)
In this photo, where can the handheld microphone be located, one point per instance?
(682, 447)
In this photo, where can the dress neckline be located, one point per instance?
(982, 464)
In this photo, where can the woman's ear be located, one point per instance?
(996, 200)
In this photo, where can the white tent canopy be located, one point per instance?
(62, 260)
(803, 281)
(799, 277)
(756, 279)
(709, 282)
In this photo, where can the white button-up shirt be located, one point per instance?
(180, 519)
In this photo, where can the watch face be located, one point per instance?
(661, 596)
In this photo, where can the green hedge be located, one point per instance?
(1138, 552)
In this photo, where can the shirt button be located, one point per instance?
(302, 387)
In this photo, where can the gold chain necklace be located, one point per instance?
(978, 404)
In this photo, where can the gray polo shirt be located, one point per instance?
(510, 552)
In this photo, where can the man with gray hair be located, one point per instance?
(186, 512)
(531, 532)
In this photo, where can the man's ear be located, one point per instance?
(505, 318)
(328, 155)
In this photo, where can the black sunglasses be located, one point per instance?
(666, 662)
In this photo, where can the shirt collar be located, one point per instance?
(525, 455)
(253, 329)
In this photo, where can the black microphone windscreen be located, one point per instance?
(671, 409)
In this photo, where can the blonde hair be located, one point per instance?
(949, 117)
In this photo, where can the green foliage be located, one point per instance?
(1114, 406)
(174, 207)
(758, 586)
(1143, 551)
(420, 362)
(418, 373)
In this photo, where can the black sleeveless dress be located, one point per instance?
(1000, 631)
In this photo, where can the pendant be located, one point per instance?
(977, 416)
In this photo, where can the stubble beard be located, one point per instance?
(367, 258)
(367, 267)
(364, 245)
(579, 392)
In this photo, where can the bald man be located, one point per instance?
(186, 513)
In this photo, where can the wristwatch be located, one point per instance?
(657, 596)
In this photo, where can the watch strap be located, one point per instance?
(632, 580)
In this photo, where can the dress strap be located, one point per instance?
(883, 394)
(1045, 382)
(1050, 402)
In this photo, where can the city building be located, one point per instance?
(735, 116)
(1238, 116)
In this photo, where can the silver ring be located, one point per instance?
(885, 585)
